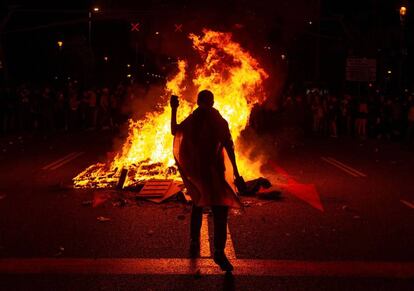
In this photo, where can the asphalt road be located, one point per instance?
(345, 220)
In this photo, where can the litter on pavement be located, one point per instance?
(160, 191)
(103, 219)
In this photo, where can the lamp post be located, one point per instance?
(95, 10)
(403, 49)
(89, 73)
(60, 59)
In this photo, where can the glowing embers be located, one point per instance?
(229, 71)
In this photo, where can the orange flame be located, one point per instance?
(235, 78)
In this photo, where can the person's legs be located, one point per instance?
(196, 219)
(364, 127)
(195, 227)
(358, 127)
(220, 236)
(410, 132)
(220, 227)
(349, 125)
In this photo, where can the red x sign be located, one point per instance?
(134, 26)
(178, 27)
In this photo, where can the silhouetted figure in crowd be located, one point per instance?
(23, 94)
(93, 109)
(397, 114)
(73, 108)
(318, 112)
(204, 166)
(332, 115)
(60, 111)
(345, 116)
(46, 105)
(104, 109)
(410, 125)
(362, 118)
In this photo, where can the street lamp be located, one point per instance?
(96, 10)
(403, 13)
(60, 58)
(402, 69)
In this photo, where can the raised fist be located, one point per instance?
(174, 101)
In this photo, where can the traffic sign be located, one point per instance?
(361, 69)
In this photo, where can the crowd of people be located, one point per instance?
(49, 109)
(372, 116)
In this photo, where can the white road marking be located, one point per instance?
(204, 239)
(58, 161)
(409, 204)
(339, 167)
(177, 266)
(348, 167)
(66, 161)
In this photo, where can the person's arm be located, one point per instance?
(238, 181)
(229, 146)
(174, 105)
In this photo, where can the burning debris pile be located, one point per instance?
(235, 78)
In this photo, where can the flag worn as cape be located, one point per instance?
(203, 162)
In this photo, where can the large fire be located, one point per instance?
(235, 78)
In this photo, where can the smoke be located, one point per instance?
(140, 100)
(258, 150)
(262, 149)
(143, 99)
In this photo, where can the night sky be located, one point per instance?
(361, 28)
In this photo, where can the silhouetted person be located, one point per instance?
(410, 117)
(204, 166)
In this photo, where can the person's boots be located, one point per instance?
(221, 260)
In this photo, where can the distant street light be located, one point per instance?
(94, 9)
(402, 69)
(403, 11)
(106, 58)
(60, 44)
